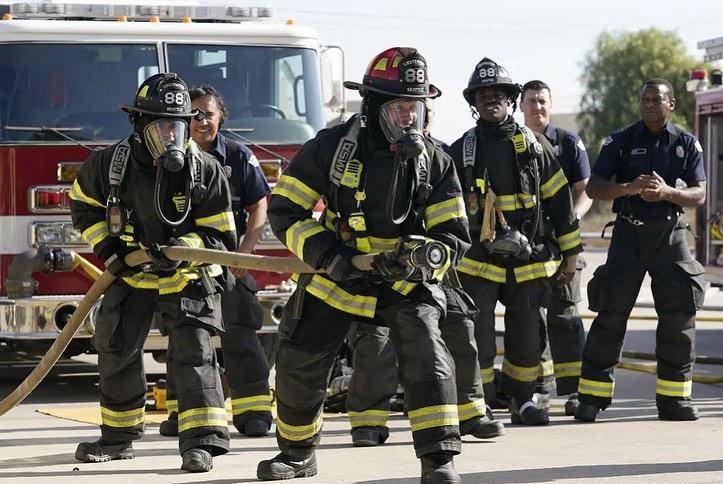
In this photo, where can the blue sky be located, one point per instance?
(545, 40)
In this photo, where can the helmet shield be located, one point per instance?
(165, 135)
(397, 116)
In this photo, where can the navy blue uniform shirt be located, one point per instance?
(570, 153)
(672, 153)
(248, 183)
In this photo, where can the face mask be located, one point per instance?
(166, 140)
(399, 117)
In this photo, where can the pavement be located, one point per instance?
(627, 444)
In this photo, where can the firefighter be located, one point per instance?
(247, 371)
(384, 183)
(658, 170)
(521, 222)
(375, 378)
(157, 188)
(562, 322)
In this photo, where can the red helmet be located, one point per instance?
(397, 72)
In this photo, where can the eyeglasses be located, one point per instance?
(199, 115)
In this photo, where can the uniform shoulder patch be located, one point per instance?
(607, 140)
(580, 145)
(698, 146)
(253, 161)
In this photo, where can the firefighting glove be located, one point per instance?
(566, 271)
(161, 262)
(338, 265)
(116, 264)
(387, 265)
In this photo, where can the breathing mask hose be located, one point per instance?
(405, 180)
(157, 198)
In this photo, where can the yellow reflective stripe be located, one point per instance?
(380, 244)
(142, 280)
(76, 193)
(520, 373)
(674, 388)
(509, 203)
(438, 274)
(96, 233)
(596, 388)
(482, 269)
(569, 240)
(553, 185)
(480, 182)
(404, 287)
(179, 280)
(297, 234)
(171, 406)
(546, 368)
(441, 212)
(536, 270)
(434, 416)
(487, 374)
(340, 299)
(193, 240)
(296, 191)
(368, 418)
(223, 222)
(564, 370)
(473, 409)
(299, 432)
(256, 403)
(127, 418)
(202, 417)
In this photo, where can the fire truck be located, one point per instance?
(65, 69)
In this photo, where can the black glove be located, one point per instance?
(338, 265)
(161, 262)
(386, 265)
(116, 265)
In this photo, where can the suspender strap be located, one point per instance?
(115, 215)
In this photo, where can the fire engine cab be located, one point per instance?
(64, 71)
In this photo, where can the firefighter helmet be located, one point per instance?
(164, 95)
(397, 72)
(488, 73)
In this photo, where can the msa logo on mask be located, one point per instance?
(179, 200)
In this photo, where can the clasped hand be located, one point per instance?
(651, 188)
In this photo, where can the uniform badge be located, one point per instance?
(179, 201)
(638, 151)
(698, 146)
(227, 170)
(580, 145)
(608, 140)
(253, 161)
(679, 151)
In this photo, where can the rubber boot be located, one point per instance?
(439, 469)
(528, 414)
(482, 427)
(284, 466)
(369, 436)
(256, 428)
(586, 412)
(169, 427)
(100, 451)
(676, 410)
(197, 460)
(571, 404)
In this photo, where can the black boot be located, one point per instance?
(586, 412)
(528, 414)
(571, 404)
(255, 428)
(439, 469)
(169, 427)
(101, 451)
(284, 466)
(676, 409)
(197, 460)
(369, 436)
(482, 427)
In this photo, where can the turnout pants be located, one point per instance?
(522, 300)
(247, 371)
(375, 376)
(660, 249)
(308, 347)
(191, 318)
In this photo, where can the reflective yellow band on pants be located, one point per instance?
(202, 417)
(368, 418)
(256, 403)
(340, 299)
(126, 418)
(596, 388)
(520, 373)
(171, 406)
(487, 374)
(545, 368)
(536, 270)
(299, 432)
(434, 416)
(470, 410)
(482, 269)
(564, 370)
(671, 388)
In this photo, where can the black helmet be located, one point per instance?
(397, 72)
(488, 73)
(164, 95)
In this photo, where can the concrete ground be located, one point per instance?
(627, 444)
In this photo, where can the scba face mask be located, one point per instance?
(401, 116)
(166, 140)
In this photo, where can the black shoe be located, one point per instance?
(169, 427)
(256, 428)
(439, 469)
(100, 451)
(369, 436)
(283, 466)
(528, 414)
(571, 404)
(499, 401)
(482, 428)
(677, 410)
(586, 412)
(197, 460)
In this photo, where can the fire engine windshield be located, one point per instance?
(273, 94)
(73, 88)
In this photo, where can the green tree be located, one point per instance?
(613, 74)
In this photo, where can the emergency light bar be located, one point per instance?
(115, 11)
